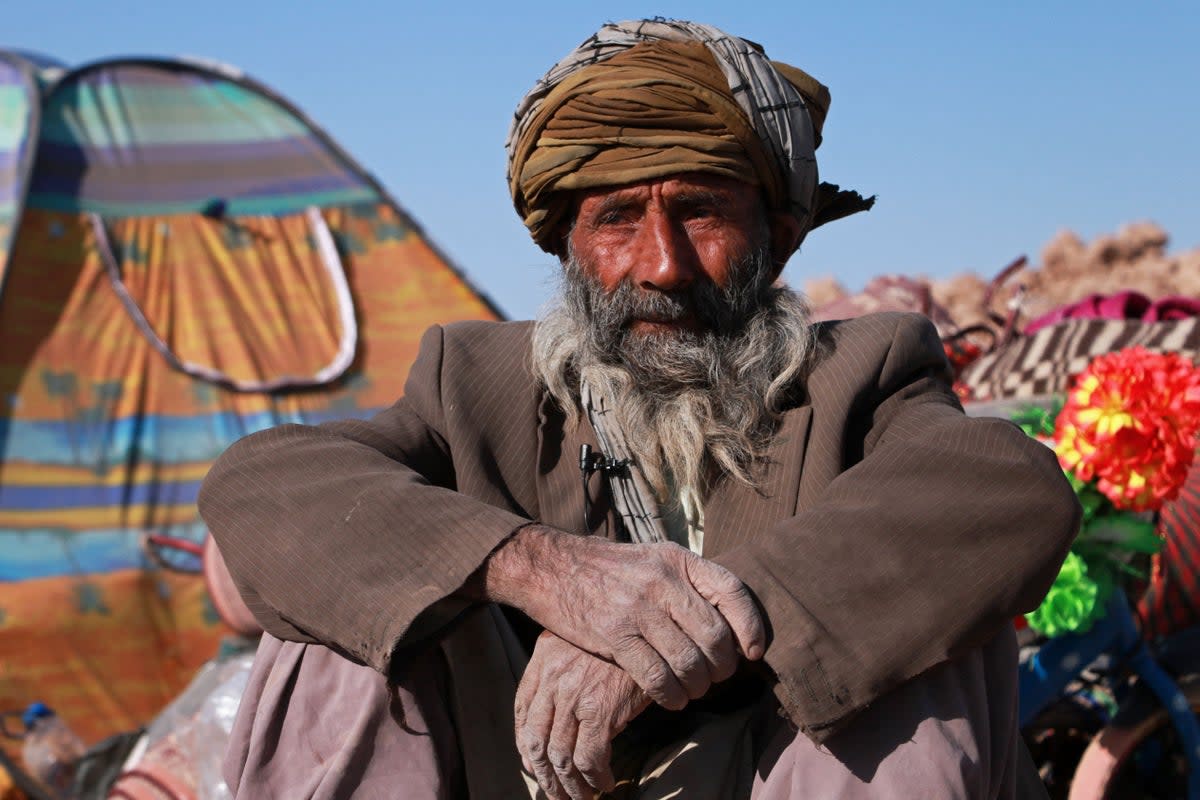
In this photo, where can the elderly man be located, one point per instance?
(701, 547)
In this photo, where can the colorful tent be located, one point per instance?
(184, 258)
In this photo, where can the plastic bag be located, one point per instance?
(185, 745)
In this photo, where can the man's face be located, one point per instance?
(669, 307)
(669, 244)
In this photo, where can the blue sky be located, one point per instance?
(983, 128)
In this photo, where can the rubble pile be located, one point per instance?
(1134, 258)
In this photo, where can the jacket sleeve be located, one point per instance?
(938, 531)
(329, 530)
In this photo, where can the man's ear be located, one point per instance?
(785, 238)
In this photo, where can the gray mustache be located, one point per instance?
(637, 304)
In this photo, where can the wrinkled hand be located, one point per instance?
(569, 707)
(672, 620)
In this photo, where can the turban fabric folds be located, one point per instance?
(644, 100)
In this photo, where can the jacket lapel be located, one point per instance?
(559, 483)
(735, 514)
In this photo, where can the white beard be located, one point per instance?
(693, 406)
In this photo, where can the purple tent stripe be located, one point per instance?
(145, 75)
(10, 74)
(139, 180)
(218, 188)
(99, 174)
(206, 152)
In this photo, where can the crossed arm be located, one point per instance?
(626, 624)
(303, 512)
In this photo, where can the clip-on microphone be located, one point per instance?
(590, 462)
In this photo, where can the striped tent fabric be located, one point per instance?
(192, 260)
(155, 138)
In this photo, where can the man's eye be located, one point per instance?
(705, 211)
(615, 217)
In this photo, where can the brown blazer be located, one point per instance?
(893, 532)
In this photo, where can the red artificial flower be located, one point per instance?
(1130, 422)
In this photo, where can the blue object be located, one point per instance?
(35, 712)
(1044, 676)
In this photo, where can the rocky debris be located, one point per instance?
(963, 298)
(1134, 258)
(823, 291)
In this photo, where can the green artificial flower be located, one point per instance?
(1075, 601)
(1036, 421)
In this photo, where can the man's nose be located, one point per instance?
(666, 259)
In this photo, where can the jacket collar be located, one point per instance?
(733, 513)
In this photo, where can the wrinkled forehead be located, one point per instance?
(681, 188)
(680, 182)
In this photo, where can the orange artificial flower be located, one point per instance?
(1130, 421)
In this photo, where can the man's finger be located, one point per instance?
(730, 597)
(593, 755)
(704, 625)
(526, 691)
(532, 741)
(525, 764)
(651, 672)
(561, 752)
(685, 658)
